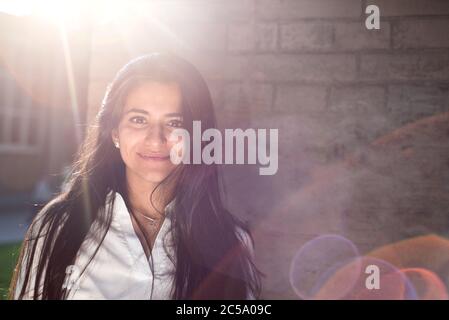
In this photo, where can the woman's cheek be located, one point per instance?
(128, 141)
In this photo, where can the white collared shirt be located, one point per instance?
(120, 268)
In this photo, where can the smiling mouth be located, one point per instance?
(154, 158)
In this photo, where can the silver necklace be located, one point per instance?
(151, 220)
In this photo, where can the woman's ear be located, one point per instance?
(114, 136)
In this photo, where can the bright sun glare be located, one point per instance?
(70, 12)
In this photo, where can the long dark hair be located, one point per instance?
(212, 261)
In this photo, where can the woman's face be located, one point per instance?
(151, 112)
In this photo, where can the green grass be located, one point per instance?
(8, 258)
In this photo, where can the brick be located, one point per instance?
(201, 10)
(230, 119)
(241, 38)
(333, 36)
(232, 68)
(297, 9)
(304, 67)
(219, 67)
(248, 37)
(356, 115)
(306, 36)
(299, 99)
(412, 102)
(352, 100)
(197, 36)
(411, 7)
(421, 34)
(424, 66)
(266, 39)
(363, 129)
(350, 132)
(297, 131)
(355, 36)
(252, 97)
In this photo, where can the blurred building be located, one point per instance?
(41, 106)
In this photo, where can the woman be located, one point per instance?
(130, 223)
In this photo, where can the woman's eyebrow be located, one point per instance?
(172, 114)
(136, 110)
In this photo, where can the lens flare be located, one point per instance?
(317, 261)
(427, 284)
(376, 280)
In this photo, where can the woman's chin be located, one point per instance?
(155, 177)
(152, 175)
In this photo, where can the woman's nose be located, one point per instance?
(155, 136)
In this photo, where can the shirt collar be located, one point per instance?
(124, 227)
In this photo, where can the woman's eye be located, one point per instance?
(175, 123)
(138, 120)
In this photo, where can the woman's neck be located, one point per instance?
(140, 192)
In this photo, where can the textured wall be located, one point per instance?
(339, 95)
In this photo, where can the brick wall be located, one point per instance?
(311, 69)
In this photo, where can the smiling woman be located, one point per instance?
(152, 110)
(131, 224)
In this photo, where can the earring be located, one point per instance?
(116, 144)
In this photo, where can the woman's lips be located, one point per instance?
(154, 157)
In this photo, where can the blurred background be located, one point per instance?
(363, 120)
